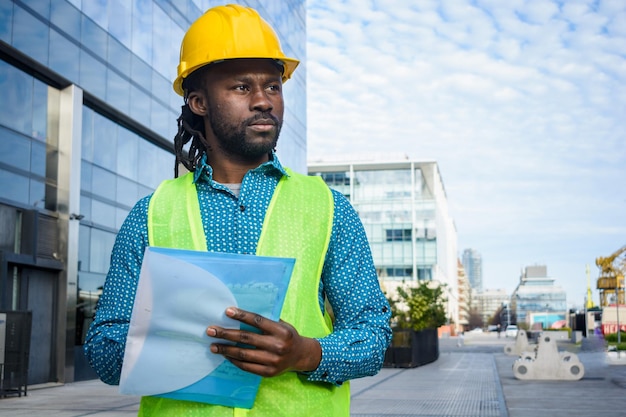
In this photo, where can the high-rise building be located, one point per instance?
(404, 209)
(87, 120)
(473, 264)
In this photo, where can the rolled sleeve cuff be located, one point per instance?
(330, 366)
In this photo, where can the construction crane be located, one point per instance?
(611, 279)
(589, 304)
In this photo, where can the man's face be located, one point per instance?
(244, 103)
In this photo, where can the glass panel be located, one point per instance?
(126, 192)
(127, 153)
(100, 250)
(16, 106)
(40, 6)
(14, 149)
(93, 37)
(120, 21)
(142, 29)
(162, 57)
(118, 91)
(147, 167)
(140, 71)
(63, 56)
(103, 184)
(38, 159)
(84, 240)
(160, 118)
(87, 134)
(140, 108)
(105, 142)
(66, 17)
(37, 193)
(97, 11)
(14, 187)
(6, 21)
(30, 35)
(92, 75)
(40, 110)
(119, 56)
(85, 176)
(120, 216)
(85, 207)
(103, 214)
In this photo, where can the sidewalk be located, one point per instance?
(473, 380)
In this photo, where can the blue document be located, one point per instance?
(180, 293)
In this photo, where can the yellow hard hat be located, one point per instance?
(228, 32)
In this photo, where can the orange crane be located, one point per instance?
(611, 279)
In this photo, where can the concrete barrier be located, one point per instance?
(547, 363)
(519, 346)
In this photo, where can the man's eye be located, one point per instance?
(241, 88)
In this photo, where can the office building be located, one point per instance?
(473, 264)
(537, 300)
(87, 120)
(404, 209)
(488, 302)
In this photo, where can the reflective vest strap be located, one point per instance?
(298, 225)
(174, 219)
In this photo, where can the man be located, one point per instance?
(238, 198)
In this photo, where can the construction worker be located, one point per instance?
(230, 75)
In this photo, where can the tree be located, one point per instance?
(418, 308)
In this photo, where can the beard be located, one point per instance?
(233, 138)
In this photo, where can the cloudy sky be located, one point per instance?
(521, 103)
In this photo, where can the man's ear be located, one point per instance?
(197, 103)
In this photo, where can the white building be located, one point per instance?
(404, 209)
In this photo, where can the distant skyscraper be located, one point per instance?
(473, 264)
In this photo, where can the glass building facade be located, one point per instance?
(537, 300)
(87, 120)
(473, 264)
(403, 207)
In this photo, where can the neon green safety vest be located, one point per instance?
(297, 225)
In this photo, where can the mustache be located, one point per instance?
(262, 116)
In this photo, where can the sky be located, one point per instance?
(521, 103)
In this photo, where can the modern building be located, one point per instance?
(537, 300)
(465, 297)
(404, 209)
(487, 302)
(87, 120)
(473, 264)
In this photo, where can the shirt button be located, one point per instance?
(385, 309)
(242, 207)
(325, 375)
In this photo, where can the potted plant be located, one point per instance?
(416, 313)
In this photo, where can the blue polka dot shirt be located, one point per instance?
(361, 332)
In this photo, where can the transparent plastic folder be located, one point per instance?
(180, 293)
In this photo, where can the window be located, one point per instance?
(398, 235)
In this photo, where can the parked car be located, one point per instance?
(511, 331)
(476, 330)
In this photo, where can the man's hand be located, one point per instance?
(277, 349)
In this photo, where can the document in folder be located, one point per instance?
(180, 293)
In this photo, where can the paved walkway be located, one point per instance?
(472, 380)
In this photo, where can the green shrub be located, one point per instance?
(420, 307)
(612, 337)
(567, 329)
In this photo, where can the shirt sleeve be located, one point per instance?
(106, 338)
(361, 332)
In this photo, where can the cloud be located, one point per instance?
(521, 103)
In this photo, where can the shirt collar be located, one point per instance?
(204, 171)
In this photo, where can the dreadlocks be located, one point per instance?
(190, 128)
